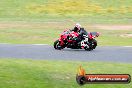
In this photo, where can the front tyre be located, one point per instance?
(57, 45)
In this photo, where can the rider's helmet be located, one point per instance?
(77, 27)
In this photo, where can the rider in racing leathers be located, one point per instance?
(81, 31)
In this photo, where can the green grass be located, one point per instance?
(47, 33)
(28, 36)
(113, 37)
(91, 11)
(26, 22)
(55, 74)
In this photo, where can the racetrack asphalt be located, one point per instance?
(101, 53)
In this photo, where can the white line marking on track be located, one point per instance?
(127, 46)
(39, 44)
(20, 44)
(4, 43)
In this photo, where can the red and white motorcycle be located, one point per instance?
(68, 39)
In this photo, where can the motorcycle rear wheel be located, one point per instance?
(88, 49)
(94, 43)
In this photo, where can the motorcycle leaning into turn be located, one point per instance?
(73, 40)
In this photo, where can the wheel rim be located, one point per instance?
(93, 44)
(58, 46)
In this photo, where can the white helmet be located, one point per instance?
(78, 26)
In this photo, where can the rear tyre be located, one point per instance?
(92, 45)
(57, 45)
(88, 48)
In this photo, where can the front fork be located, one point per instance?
(61, 42)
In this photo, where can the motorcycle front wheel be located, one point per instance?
(57, 45)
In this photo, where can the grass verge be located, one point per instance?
(22, 73)
(47, 33)
(92, 11)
